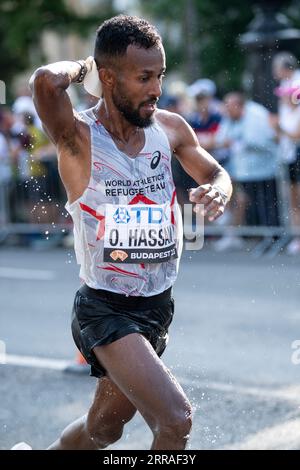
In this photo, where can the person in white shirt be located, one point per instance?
(284, 69)
(287, 126)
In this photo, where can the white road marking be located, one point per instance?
(26, 274)
(291, 393)
(32, 361)
(283, 436)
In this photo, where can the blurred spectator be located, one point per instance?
(5, 178)
(44, 186)
(15, 139)
(5, 163)
(178, 89)
(205, 121)
(246, 131)
(170, 103)
(284, 68)
(206, 87)
(202, 86)
(24, 104)
(176, 103)
(207, 117)
(242, 142)
(287, 126)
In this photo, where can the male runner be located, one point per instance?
(115, 163)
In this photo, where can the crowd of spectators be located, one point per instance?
(260, 150)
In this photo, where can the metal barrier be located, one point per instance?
(26, 209)
(4, 204)
(22, 215)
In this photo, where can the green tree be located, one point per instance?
(23, 21)
(209, 32)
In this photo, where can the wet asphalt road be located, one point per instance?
(230, 347)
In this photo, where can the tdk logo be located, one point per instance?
(140, 215)
(121, 216)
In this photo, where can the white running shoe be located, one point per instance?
(229, 242)
(21, 446)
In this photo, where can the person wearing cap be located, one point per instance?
(287, 126)
(205, 121)
(246, 132)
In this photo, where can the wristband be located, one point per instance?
(82, 72)
(222, 194)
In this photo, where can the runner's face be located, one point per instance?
(138, 84)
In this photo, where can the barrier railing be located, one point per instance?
(19, 215)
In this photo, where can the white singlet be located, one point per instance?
(127, 223)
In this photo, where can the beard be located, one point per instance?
(131, 114)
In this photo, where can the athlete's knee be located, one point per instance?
(104, 434)
(177, 423)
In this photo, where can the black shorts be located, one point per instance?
(100, 317)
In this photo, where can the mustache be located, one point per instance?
(152, 101)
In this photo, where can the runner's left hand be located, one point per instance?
(213, 199)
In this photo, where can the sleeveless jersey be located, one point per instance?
(127, 223)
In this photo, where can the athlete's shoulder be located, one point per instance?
(176, 127)
(166, 118)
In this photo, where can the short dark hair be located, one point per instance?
(117, 33)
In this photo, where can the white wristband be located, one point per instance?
(92, 83)
(222, 193)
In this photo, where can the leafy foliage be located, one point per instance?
(215, 33)
(23, 21)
